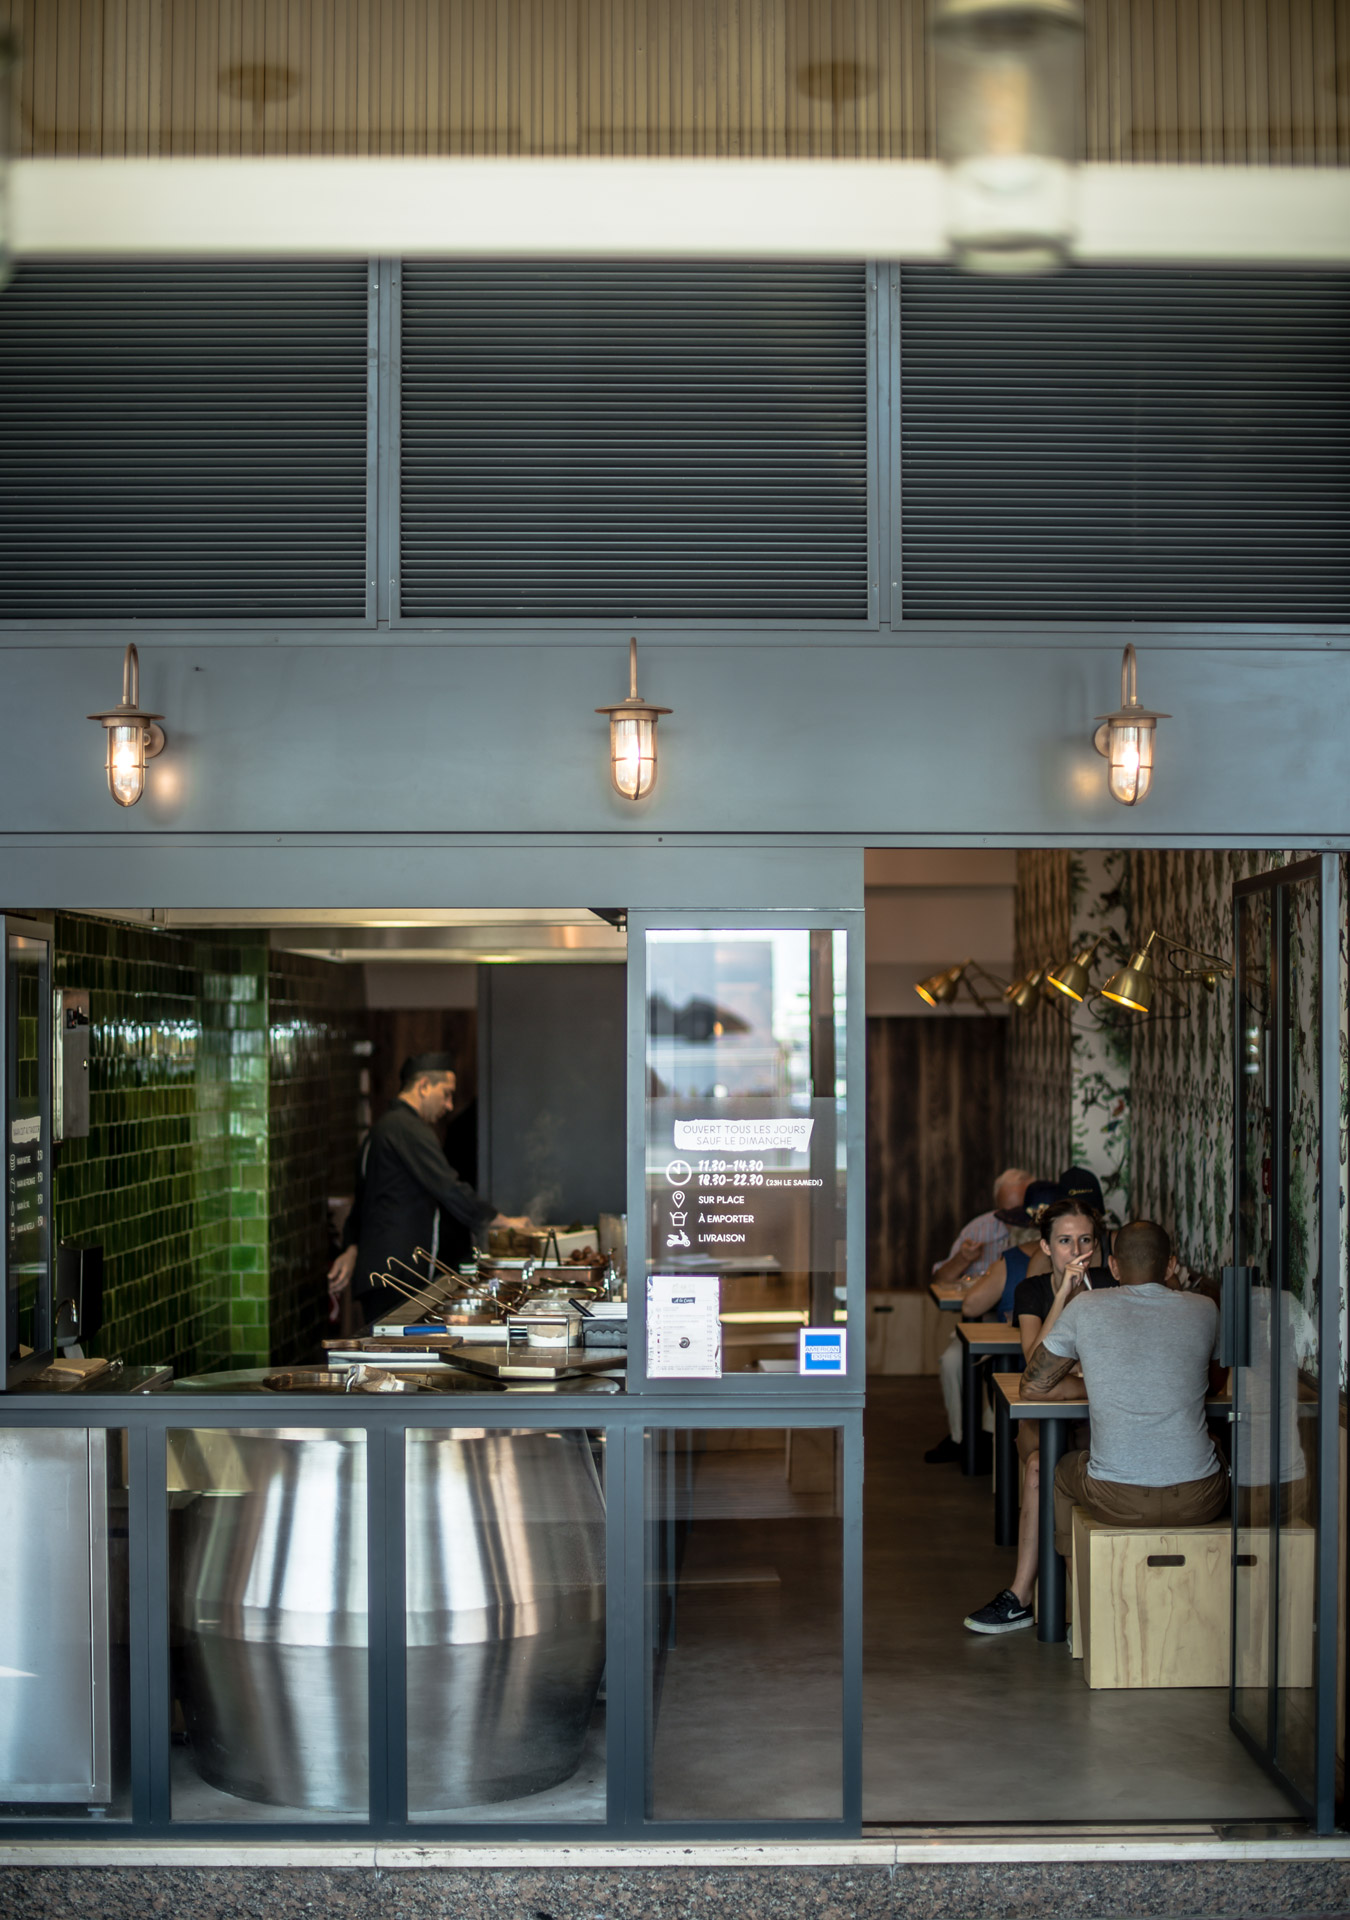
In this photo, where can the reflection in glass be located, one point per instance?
(64, 1638)
(1255, 999)
(746, 1153)
(505, 1624)
(268, 1607)
(744, 1539)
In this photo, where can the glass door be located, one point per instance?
(1283, 1331)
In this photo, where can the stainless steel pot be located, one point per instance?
(505, 1612)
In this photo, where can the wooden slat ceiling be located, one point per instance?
(1235, 81)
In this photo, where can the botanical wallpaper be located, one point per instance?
(1040, 1117)
(1148, 1104)
(1069, 1075)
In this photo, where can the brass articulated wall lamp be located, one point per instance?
(1125, 738)
(133, 737)
(1071, 976)
(1136, 982)
(940, 989)
(632, 738)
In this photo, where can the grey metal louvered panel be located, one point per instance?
(634, 442)
(184, 441)
(1150, 445)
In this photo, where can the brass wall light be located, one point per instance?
(133, 737)
(1071, 976)
(940, 989)
(632, 738)
(1022, 993)
(1135, 984)
(1009, 79)
(1125, 738)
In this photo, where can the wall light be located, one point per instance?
(1009, 119)
(1136, 982)
(1125, 738)
(133, 737)
(1022, 993)
(940, 989)
(632, 738)
(1071, 976)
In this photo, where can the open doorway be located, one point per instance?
(1012, 1726)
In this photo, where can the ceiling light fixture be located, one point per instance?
(1125, 738)
(133, 737)
(632, 738)
(1009, 125)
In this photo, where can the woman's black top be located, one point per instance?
(1036, 1295)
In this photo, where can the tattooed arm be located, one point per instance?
(1046, 1372)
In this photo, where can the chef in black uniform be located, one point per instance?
(404, 1184)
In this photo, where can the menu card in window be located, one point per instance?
(684, 1332)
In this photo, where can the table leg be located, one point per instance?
(970, 1410)
(1005, 1474)
(1050, 1569)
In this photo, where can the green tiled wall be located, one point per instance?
(313, 1008)
(202, 1227)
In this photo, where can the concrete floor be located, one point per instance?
(962, 1726)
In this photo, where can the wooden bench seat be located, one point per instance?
(1151, 1608)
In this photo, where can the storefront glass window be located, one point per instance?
(269, 1623)
(746, 1147)
(64, 1636)
(745, 1560)
(505, 1563)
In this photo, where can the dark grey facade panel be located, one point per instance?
(184, 441)
(1153, 445)
(633, 441)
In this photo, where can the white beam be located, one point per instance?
(526, 208)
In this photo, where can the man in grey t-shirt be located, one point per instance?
(1147, 1353)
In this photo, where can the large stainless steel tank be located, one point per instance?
(505, 1612)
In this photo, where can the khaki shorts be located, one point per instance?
(1189, 1504)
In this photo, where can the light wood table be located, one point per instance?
(1054, 1418)
(1003, 1346)
(948, 1293)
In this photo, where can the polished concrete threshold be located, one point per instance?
(930, 1846)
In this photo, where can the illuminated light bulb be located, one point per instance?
(126, 764)
(1009, 118)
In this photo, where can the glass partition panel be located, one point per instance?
(746, 1142)
(505, 1561)
(269, 1623)
(744, 1619)
(1297, 1349)
(64, 1636)
(1252, 1384)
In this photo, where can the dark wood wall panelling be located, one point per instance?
(935, 1138)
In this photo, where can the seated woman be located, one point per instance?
(995, 1288)
(1071, 1241)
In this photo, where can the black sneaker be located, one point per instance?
(1004, 1614)
(946, 1449)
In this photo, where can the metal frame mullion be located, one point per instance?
(1329, 1544)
